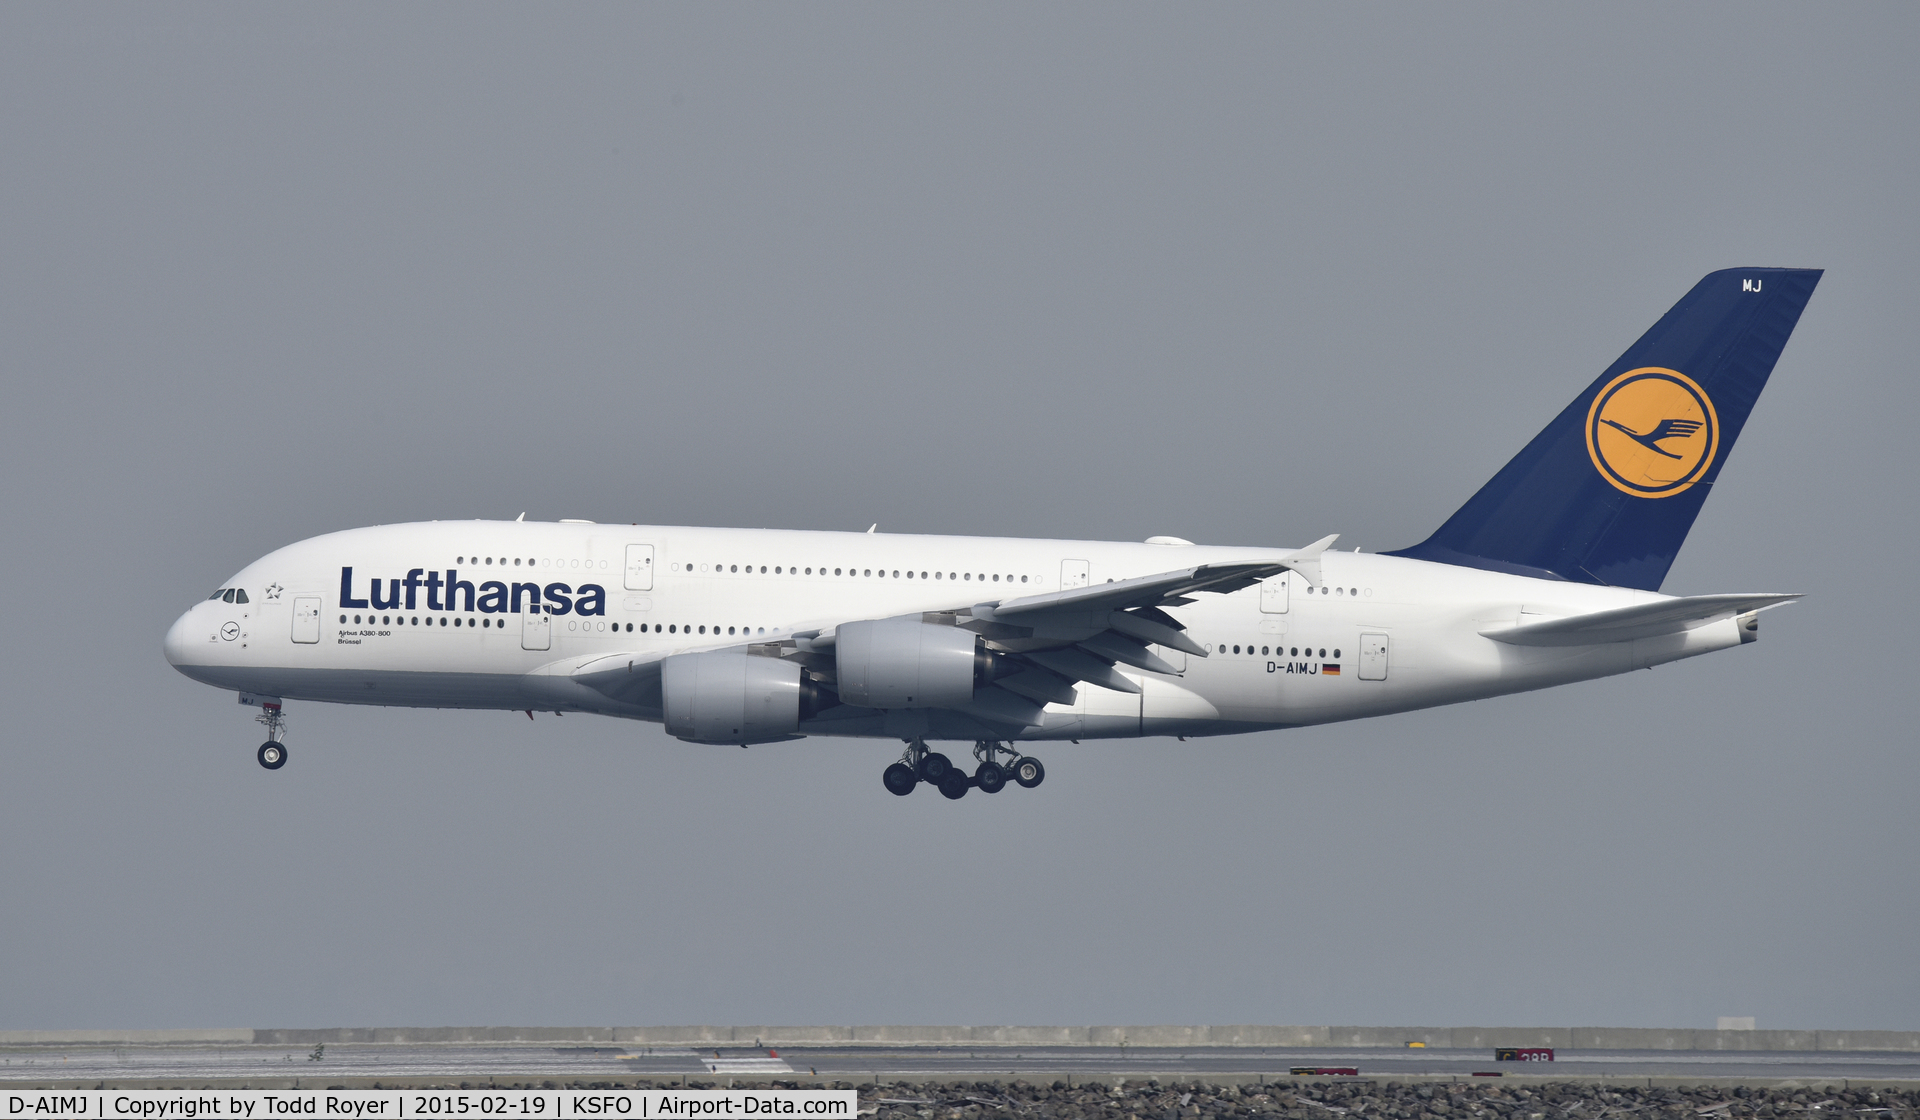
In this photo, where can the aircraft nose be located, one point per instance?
(177, 642)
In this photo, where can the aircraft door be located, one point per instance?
(306, 619)
(1373, 657)
(639, 567)
(1073, 573)
(1273, 593)
(536, 628)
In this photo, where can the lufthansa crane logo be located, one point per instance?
(1652, 432)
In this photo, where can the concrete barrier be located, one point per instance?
(125, 1038)
(1489, 1038)
(1029, 1036)
(1281, 1037)
(333, 1036)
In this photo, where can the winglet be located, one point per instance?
(1306, 560)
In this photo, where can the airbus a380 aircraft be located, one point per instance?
(1550, 574)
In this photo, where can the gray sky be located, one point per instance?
(1243, 274)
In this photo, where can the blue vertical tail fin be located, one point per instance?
(1606, 493)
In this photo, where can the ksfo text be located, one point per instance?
(405, 1104)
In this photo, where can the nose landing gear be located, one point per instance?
(273, 752)
(918, 764)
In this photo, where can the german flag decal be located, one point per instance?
(1329, 670)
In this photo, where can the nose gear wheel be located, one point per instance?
(272, 753)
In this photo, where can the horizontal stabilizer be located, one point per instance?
(1643, 620)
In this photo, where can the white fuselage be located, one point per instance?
(1382, 634)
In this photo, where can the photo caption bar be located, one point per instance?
(438, 1104)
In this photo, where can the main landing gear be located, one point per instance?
(273, 752)
(918, 764)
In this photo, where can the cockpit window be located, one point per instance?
(217, 594)
(239, 594)
(228, 597)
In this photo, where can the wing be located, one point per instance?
(1043, 646)
(1642, 620)
(1040, 646)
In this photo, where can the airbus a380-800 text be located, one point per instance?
(1549, 574)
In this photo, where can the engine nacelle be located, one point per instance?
(727, 697)
(907, 663)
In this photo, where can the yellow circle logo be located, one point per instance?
(1652, 432)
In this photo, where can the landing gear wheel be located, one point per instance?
(900, 779)
(990, 777)
(934, 769)
(273, 755)
(955, 785)
(1028, 771)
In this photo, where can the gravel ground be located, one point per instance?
(1329, 1100)
(1359, 1099)
(1364, 1100)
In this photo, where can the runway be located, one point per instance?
(359, 1065)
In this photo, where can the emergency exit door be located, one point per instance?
(1373, 657)
(306, 619)
(1073, 573)
(1273, 593)
(536, 628)
(639, 567)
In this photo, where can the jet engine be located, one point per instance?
(908, 663)
(729, 697)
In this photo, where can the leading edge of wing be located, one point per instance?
(1642, 620)
(1163, 589)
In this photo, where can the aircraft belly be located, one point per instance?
(412, 689)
